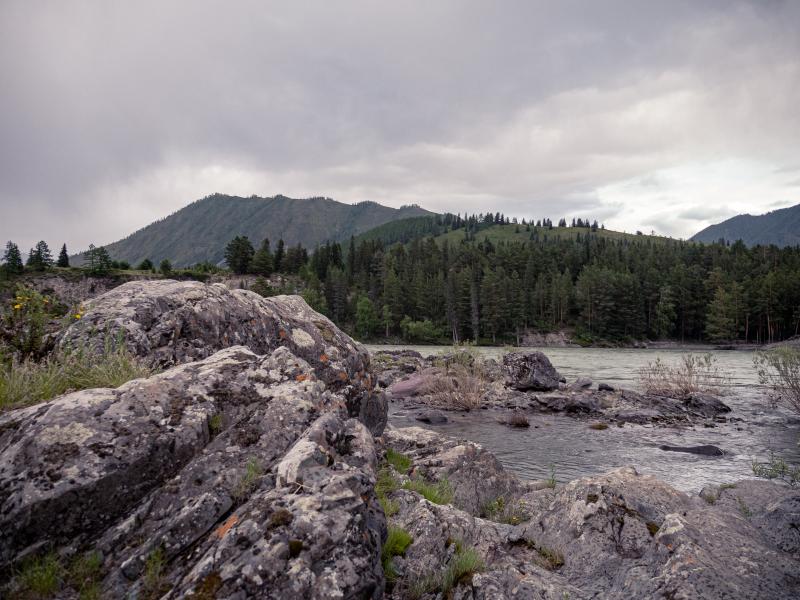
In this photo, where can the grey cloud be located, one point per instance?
(114, 114)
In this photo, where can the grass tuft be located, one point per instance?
(398, 460)
(249, 480)
(41, 577)
(30, 382)
(438, 493)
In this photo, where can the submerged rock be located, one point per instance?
(706, 450)
(434, 417)
(530, 371)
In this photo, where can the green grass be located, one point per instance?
(501, 511)
(249, 480)
(153, 577)
(462, 566)
(215, 424)
(438, 493)
(84, 575)
(30, 382)
(397, 542)
(389, 506)
(551, 481)
(41, 577)
(399, 461)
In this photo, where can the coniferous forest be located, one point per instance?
(444, 279)
(489, 280)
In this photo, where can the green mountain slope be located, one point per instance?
(406, 230)
(200, 231)
(779, 227)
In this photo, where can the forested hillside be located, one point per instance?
(198, 233)
(463, 285)
(779, 227)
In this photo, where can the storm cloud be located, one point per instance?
(646, 115)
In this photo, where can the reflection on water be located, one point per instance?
(574, 450)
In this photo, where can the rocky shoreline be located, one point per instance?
(258, 464)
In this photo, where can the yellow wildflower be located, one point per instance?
(17, 306)
(78, 316)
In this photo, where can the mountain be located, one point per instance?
(779, 227)
(200, 231)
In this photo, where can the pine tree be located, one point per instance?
(720, 323)
(12, 259)
(145, 265)
(366, 317)
(165, 267)
(262, 260)
(63, 258)
(280, 253)
(239, 254)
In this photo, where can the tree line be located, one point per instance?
(603, 288)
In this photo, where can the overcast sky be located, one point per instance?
(663, 115)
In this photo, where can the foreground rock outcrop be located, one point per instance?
(241, 472)
(173, 322)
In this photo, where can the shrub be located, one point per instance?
(777, 468)
(153, 577)
(29, 382)
(780, 370)
(518, 419)
(691, 374)
(25, 322)
(438, 493)
(457, 388)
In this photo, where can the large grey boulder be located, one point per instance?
(244, 473)
(530, 371)
(173, 322)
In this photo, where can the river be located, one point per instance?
(571, 449)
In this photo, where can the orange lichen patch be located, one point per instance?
(323, 358)
(342, 376)
(301, 377)
(282, 334)
(226, 526)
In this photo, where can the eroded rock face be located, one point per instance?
(245, 472)
(173, 322)
(530, 371)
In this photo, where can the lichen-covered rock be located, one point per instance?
(244, 473)
(173, 322)
(530, 371)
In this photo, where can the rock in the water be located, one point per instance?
(174, 322)
(405, 388)
(604, 387)
(582, 383)
(530, 371)
(705, 405)
(244, 472)
(706, 450)
(434, 417)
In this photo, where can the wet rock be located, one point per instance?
(604, 387)
(705, 405)
(241, 468)
(407, 387)
(571, 404)
(530, 371)
(706, 450)
(433, 417)
(581, 384)
(173, 322)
